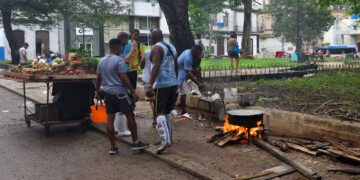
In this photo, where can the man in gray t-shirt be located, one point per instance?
(111, 74)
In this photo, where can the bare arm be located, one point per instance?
(131, 53)
(156, 55)
(124, 78)
(142, 62)
(23, 53)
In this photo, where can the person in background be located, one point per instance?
(23, 53)
(232, 44)
(111, 74)
(163, 85)
(134, 60)
(198, 41)
(185, 62)
(146, 65)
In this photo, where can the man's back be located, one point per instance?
(230, 44)
(185, 62)
(166, 76)
(109, 68)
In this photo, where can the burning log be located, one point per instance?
(285, 158)
(221, 142)
(215, 137)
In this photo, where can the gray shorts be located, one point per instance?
(183, 89)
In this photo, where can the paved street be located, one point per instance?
(25, 153)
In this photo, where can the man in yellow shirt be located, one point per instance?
(133, 63)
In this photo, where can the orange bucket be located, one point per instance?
(98, 113)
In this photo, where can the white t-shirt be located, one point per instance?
(22, 59)
(147, 69)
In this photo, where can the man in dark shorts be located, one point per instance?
(163, 86)
(232, 43)
(111, 74)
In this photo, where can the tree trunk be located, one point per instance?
(101, 41)
(246, 40)
(14, 47)
(177, 17)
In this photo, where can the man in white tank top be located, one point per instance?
(23, 53)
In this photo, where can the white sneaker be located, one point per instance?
(185, 116)
(124, 133)
(174, 112)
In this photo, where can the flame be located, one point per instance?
(240, 130)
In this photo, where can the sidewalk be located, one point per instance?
(191, 152)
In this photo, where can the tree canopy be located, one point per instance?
(312, 21)
(199, 13)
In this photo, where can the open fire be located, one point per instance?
(241, 130)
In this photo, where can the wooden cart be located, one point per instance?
(47, 79)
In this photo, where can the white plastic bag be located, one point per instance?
(120, 125)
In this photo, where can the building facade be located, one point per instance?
(344, 31)
(144, 15)
(39, 39)
(231, 20)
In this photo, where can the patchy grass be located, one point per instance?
(6, 61)
(333, 94)
(224, 63)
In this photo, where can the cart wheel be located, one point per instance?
(47, 131)
(28, 123)
(84, 126)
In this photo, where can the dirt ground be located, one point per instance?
(25, 153)
(190, 138)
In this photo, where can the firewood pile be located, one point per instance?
(221, 139)
(314, 147)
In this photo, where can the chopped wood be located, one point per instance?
(280, 174)
(317, 146)
(344, 155)
(302, 149)
(219, 128)
(327, 153)
(341, 146)
(226, 139)
(280, 144)
(215, 137)
(255, 175)
(235, 139)
(285, 158)
(349, 171)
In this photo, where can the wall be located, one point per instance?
(56, 40)
(269, 46)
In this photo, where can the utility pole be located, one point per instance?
(299, 33)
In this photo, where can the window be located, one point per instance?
(88, 46)
(143, 22)
(226, 19)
